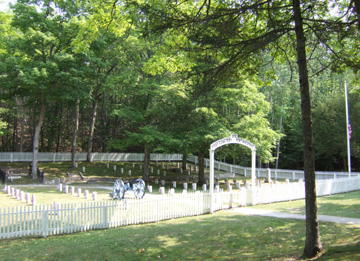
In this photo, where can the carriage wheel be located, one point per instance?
(119, 189)
(139, 188)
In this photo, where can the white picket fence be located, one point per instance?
(66, 156)
(58, 219)
(139, 157)
(275, 173)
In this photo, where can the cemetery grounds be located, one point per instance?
(222, 235)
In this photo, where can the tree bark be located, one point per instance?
(146, 163)
(312, 243)
(357, 11)
(36, 141)
(76, 127)
(92, 128)
(184, 160)
(23, 119)
(201, 159)
(278, 145)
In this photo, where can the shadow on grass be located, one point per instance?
(223, 235)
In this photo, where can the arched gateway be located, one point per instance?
(231, 140)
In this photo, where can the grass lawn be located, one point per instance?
(342, 205)
(224, 235)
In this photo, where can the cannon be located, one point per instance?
(120, 187)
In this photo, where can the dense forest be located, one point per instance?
(107, 77)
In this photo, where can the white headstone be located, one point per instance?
(94, 195)
(204, 187)
(194, 186)
(83, 169)
(268, 175)
(217, 188)
(28, 198)
(86, 194)
(150, 189)
(174, 184)
(22, 195)
(185, 185)
(33, 200)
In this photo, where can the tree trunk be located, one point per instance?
(146, 163)
(184, 160)
(312, 243)
(357, 11)
(278, 145)
(76, 127)
(23, 119)
(36, 141)
(201, 159)
(91, 134)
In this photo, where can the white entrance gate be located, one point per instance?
(231, 140)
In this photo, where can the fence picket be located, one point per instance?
(46, 220)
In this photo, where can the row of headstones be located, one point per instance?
(76, 191)
(171, 191)
(189, 168)
(204, 187)
(20, 195)
(275, 183)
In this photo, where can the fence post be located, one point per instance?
(105, 217)
(45, 222)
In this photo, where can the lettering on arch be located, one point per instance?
(232, 140)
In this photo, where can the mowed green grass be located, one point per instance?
(224, 235)
(342, 205)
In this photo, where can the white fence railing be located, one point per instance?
(239, 170)
(69, 218)
(66, 156)
(275, 173)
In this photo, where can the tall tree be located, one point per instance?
(239, 30)
(43, 57)
(313, 245)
